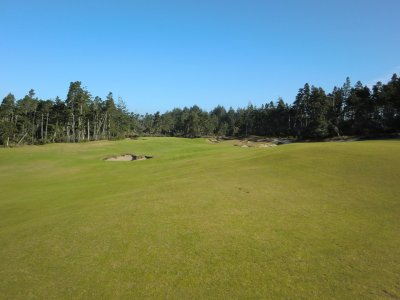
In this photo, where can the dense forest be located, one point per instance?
(347, 110)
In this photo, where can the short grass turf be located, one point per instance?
(200, 221)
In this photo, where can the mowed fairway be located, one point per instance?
(200, 220)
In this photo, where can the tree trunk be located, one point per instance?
(47, 124)
(81, 132)
(109, 127)
(22, 138)
(73, 127)
(55, 132)
(104, 126)
(33, 126)
(79, 129)
(88, 130)
(41, 129)
(94, 129)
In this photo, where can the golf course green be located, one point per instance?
(200, 220)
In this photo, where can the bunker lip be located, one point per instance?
(127, 157)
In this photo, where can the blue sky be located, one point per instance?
(158, 55)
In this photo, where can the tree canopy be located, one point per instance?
(347, 110)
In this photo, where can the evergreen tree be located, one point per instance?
(346, 110)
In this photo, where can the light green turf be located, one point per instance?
(200, 220)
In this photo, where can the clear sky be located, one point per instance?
(158, 55)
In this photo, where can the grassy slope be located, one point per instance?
(316, 220)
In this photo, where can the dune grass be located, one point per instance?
(200, 220)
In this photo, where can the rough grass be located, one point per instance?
(200, 220)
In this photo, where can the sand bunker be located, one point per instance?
(213, 141)
(252, 141)
(128, 157)
(248, 144)
(262, 142)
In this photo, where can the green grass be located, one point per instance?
(200, 220)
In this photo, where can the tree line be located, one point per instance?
(346, 110)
